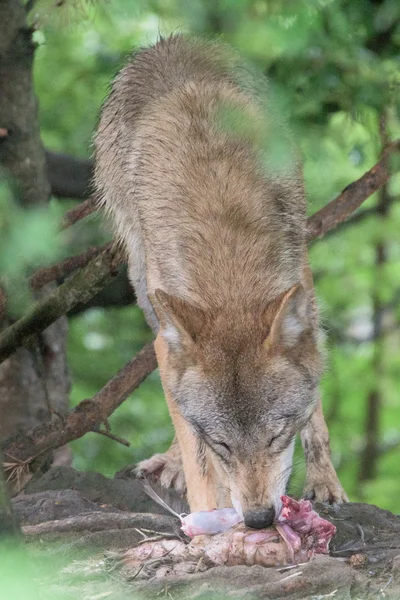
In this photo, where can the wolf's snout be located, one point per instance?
(258, 518)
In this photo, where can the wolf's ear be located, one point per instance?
(291, 316)
(180, 321)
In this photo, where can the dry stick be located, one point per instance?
(351, 198)
(80, 288)
(87, 416)
(110, 435)
(65, 267)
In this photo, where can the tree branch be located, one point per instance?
(87, 416)
(82, 210)
(65, 267)
(351, 198)
(80, 288)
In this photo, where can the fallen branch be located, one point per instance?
(87, 416)
(65, 267)
(80, 288)
(94, 521)
(351, 198)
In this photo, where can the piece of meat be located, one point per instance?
(299, 533)
(209, 522)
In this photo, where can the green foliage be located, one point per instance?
(29, 238)
(333, 69)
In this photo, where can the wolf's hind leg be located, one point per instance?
(322, 483)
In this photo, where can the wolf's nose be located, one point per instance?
(258, 518)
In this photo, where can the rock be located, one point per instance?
(321, 576)
(50, 505)
(122, 493)
(396, 569)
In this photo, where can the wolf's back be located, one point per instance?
(173, 62)
(184, 163)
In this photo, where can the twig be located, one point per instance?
(290, 567)
(116, 438)
(82, 210)
(351, 198)
(87, 416)
(80, 288)
(382, 590)
(65, 267)
(291, 576)
(132, 577)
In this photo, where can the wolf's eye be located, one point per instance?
(272, 440)
(221, 448)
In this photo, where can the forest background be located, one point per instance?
(333, 71)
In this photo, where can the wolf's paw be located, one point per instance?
(325, 489)
(165, 468)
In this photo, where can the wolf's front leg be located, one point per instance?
(203, 489)
(322, 483)
(201, 479)
(165, 468)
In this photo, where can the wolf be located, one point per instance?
(205, 192)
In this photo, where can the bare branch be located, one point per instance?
(65, 267)
(110, 435)
(87, 416)
(80, 288)
(351, 198)
(82, 210)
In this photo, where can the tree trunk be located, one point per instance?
(369, 461)
(33, 382)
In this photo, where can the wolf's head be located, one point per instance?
(246, 381)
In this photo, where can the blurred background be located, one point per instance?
(333, 69)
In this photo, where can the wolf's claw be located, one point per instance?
(325, 492)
